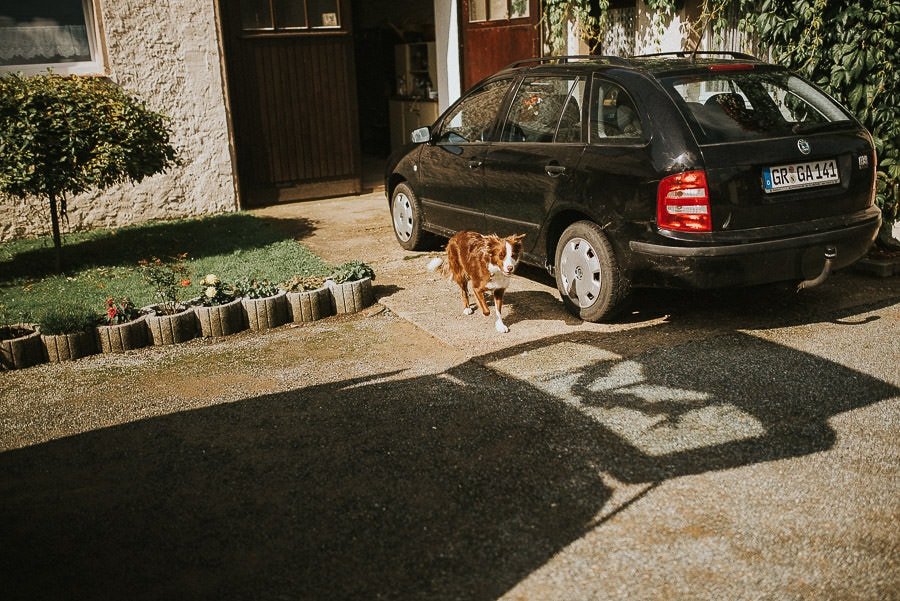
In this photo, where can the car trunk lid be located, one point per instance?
(763, 183)
(777, 151)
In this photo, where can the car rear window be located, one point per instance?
(746, 105)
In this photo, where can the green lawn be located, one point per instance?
(104, 263)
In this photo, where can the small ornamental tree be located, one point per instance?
(61, 136)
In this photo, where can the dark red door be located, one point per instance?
(496, 33)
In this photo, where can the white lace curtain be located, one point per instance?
(43, 43)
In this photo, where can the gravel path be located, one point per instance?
(708, 446)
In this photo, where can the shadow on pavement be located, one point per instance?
(765, 306)
(454, 486)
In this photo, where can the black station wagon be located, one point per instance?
(662, 170)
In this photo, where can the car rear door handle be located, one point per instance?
(555, 169)
(475, 163)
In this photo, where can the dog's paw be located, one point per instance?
(501, 327)
(468, 311)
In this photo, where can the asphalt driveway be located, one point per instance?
(739, 445)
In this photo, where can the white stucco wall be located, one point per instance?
(659, 33)
(165, 52)
(446, 32)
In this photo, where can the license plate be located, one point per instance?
(800, 175)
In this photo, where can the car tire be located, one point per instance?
(588, 276)
(406, 217)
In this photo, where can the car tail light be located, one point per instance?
(682, 203)
(732, 67)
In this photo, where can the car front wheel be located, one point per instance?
(406, 215)
(588, 276)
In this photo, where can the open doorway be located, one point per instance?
(396, 78)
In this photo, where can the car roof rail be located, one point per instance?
(691, 54)
(609, 60)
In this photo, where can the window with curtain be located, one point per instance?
(41, 34)
(294, 16)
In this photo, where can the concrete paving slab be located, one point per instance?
(360, 228)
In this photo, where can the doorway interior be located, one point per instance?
(387, 34)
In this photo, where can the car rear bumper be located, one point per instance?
(750, 261)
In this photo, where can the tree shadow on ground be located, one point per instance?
(448, 486)
(209, 236)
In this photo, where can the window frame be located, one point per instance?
(487, 20)
(307, 30)
(96, 66)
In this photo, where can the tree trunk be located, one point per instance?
(57, 242)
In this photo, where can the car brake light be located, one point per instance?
(682, 203)
(732, 67)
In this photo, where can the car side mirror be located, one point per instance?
(420, 135)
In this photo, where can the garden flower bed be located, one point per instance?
(275, 281)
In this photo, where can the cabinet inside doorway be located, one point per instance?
(407, 115)
(415, 101)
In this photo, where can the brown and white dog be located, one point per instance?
(487, 262)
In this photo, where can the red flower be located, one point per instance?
(111, 313)
(185, 283)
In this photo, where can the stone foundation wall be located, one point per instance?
(165, 52)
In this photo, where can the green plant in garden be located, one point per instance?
(300, 283)
(590, 15)
(9, 315)
(120, 311)
(851, 50)
(103, 262)
(168, 278)
(66, 320)
(352, 271)
(253, 288)
(213, 291)
(61, 136)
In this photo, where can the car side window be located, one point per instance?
(472, 118)
(545, 109)
(614, 115)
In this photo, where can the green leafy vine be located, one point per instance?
(853, 52)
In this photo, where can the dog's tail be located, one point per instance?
(437, 264)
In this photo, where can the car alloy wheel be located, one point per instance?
(587, 273)
(403, 217)
(406, 215)
(579, 269)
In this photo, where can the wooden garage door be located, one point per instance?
(496, 33)
(293, 98)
